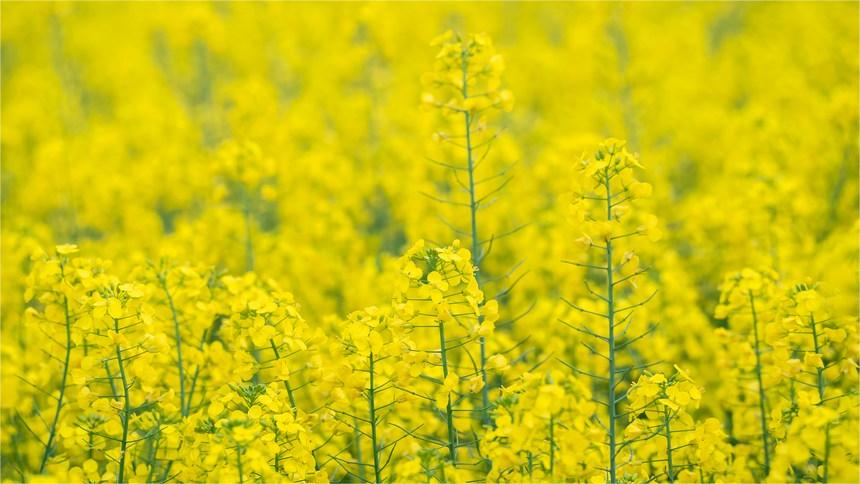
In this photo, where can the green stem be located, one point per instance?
(208, 336)
(449, 412)
(826, 451)
(256, 354)
(485, 390)
(666, 422)
(473, 207)
(110, 380)
(821, 384)
(551, 446)
(239, 464)
(356, 441)
(610, 316)
(166, 475)
(193, 385)
(278, 453)
(16, 449)
(530, 465)
(53, 431)
(126, 409)
(153, 453)
(286, 382)
(184, 406)
(372, 404)
(473, 216)
(761, 395)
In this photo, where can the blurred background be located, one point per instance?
(288, 138)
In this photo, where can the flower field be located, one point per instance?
(429, 242)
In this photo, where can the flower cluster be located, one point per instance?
(467, 76)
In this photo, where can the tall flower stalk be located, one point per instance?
(62, 253)
(603, 193)
(747, 300)
(820, 346)
(184, 404)
(762, 397)
(468, 73)
(126, 403)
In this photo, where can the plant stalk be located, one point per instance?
(666, 422)
(449, 412)
(473, 217)
(372, 404)
(821, 383)
(126, 409)
(610, 316)
(184, 405)
(53, 431)
(761, 395)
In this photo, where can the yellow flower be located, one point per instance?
(813, 360)
(66, 249)
(496, 362)
(215, 409)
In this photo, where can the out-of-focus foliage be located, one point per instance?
(308, 242)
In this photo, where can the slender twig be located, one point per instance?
(53, 429)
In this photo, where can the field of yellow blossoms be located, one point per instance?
(443, 242)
